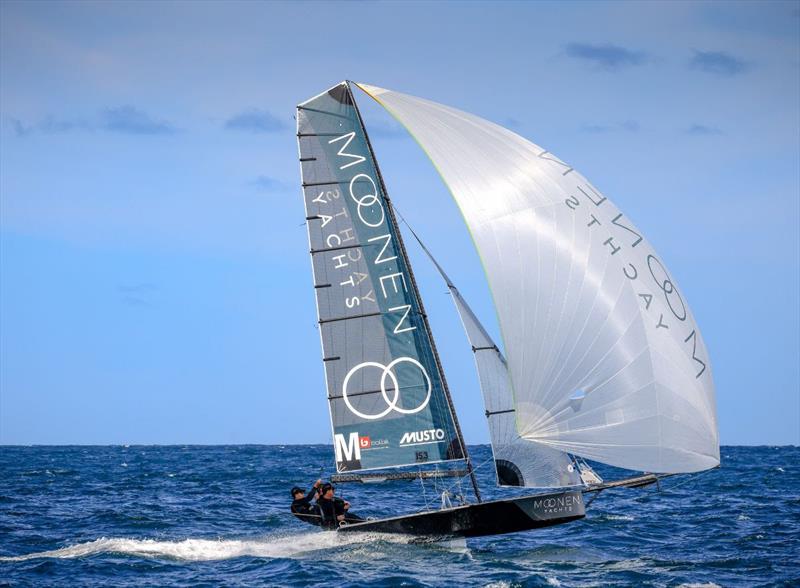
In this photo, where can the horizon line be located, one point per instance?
(126, 445)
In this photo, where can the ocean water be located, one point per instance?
(193, 516)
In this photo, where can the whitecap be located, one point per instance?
(628, 564)
(619, 518)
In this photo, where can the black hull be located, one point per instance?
(496, 517)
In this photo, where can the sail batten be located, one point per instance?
(604, 357)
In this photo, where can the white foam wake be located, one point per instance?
(286, 546)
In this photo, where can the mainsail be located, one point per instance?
(604, 356)
(387, 394)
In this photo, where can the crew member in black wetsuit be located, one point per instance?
(302, 507)
(334, 511)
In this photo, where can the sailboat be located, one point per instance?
(601, 358)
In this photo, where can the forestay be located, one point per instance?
(385, 390)
(604, 356)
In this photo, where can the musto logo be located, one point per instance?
(422, 437)
(393, 400)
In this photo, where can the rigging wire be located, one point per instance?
(424, 494)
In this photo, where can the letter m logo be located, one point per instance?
(348, 450)
(343, 153)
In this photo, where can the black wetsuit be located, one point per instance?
(304, 510)
(332, 508)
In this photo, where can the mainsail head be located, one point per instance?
(385, 389)
(604, 356)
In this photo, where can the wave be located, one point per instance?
(285, 546)
(612, 517)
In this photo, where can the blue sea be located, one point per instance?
(217, 515)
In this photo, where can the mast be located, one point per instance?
(417, 295)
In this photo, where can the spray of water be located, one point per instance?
(284, 546)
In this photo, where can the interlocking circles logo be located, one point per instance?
(393, 401)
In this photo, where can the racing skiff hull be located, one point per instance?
(495, 517)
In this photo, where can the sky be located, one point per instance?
(155, 285)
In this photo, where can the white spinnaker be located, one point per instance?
(518, 462)
(605, 358)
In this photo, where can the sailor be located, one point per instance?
(302, 507)
(334, 511)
